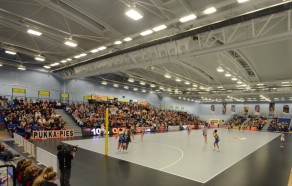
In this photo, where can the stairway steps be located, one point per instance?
(71, 123)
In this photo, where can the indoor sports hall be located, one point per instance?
(145, 92)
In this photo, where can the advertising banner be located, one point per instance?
(223, 108)
(272, 108)
(232, 109)
(47, 134)
(286, 109)
(44, 93)
(19, 90)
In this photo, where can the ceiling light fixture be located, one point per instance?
(135, 89)
(69, 59)
(127, 39)
(177, 79)
(147, 32)
(188, 18)
(233, 78)
(47, 67)
(21, 67)
(152, 85)
(118, 42)
(142, 83)
(167, 76)
(220, 69)
(102, 48)
(54, 64)
(64, 61)
(143, 90)
(126, 87)
(34, 32)
(77, 56)
(227, 74)
(195, 85)
(285, 82)
(71, 43)
(11, 52)
(116, 85)
(94, 50)
(39, 58)
(210, 10)
(187, 83)
(131, 80)
(133, 13)
(104, 83)
(239, 82)
(160, 27)
(242, 1)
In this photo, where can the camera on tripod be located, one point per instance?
(67, 148)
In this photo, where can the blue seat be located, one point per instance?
(35, 128)
(11, 126)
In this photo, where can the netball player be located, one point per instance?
(282, 139)
(127, 139)
(229, 127)
(142, 132)
(189, 129)
(216, 137)
(121, 135)
(205, 134)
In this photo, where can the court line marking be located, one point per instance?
(290, 179)
(140, 164)
(240, 159)
(181, 151)
(222, 170)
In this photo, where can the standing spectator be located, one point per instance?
(65, 157)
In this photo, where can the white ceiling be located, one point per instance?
(100, 23)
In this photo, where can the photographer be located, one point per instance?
(65, 155)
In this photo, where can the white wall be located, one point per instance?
(205, 109)
(79, 88)
(206, 113)
(170, 103)
(32, 81)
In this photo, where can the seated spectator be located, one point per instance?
(24, 165)
(7, 154)
(50, 179)
(29, 175)
(40, 178)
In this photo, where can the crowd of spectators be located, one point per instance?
(27, 115)
(256, 121)
(133, 114)
(28, 174)
(274, 125)
(236, 120)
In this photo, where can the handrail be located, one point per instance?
(14, 172)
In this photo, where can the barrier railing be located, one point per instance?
(18, 139)
(46, 158)
(29, 148)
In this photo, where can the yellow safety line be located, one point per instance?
(290, 179)
(106, 133)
